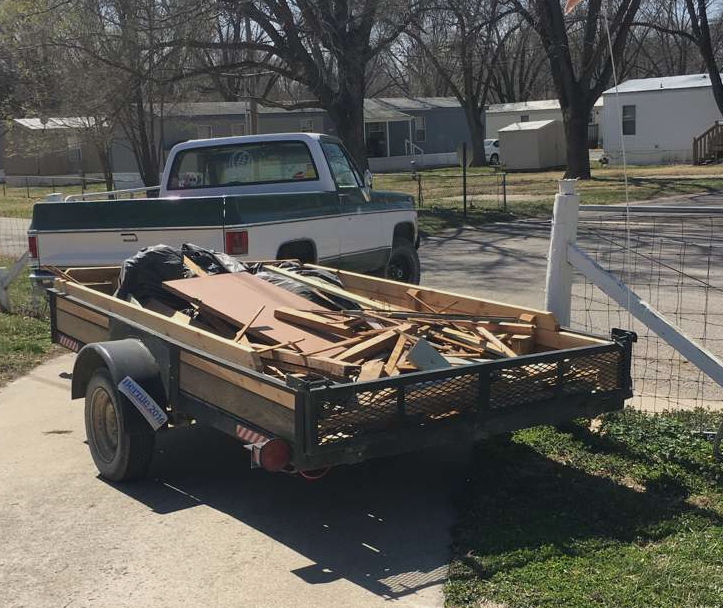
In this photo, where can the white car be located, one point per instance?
(492, 151)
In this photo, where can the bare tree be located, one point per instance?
(520, 72)
(581, 65)
(462, 40)
(325, 45)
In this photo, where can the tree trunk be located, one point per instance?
(477, 133)
(578, 155)
(347, 112)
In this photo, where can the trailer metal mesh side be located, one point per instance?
(343, 413)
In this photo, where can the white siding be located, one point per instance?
(666, 122)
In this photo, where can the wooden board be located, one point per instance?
(82, 330)
(274, 393)
(236, 297)
(195, 337)
(82, 312)
(394, 294)
(234, 399)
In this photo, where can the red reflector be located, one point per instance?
(275, 455)
(33, 246)
(237, 243)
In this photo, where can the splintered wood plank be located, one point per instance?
(371, 370)
(496, 341)
(313, 321)
(396, 353)
(394, 295)
(235, 297)
(521, 344)
(318, 365)
(373, 346)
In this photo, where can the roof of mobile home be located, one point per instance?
(639, 85)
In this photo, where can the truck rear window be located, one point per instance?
(242, 164)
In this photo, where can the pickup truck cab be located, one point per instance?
(261, 197)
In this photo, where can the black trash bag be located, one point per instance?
(325, 300)
(211, 261)
(143, 274)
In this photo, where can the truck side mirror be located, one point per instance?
(368, 179)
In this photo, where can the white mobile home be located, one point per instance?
(658, 117)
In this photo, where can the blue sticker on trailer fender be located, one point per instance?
(151, 411)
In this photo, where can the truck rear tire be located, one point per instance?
(403, 264)
(118, 454)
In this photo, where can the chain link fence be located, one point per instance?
(16, 293)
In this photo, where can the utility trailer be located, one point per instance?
(132, 360)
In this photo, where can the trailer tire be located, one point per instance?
(403, 264)
(118, 454)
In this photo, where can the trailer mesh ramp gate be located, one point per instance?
(343, 413)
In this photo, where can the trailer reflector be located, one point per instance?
(275, 455)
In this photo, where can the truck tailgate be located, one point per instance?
(104, 233)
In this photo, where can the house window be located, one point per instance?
(628, 120)
(307, 125)
(204, 132)
(238, 129)
(525, 118)
(420, 126)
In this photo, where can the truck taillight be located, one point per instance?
(237, 243)
(33, 246)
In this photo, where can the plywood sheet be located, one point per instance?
(237, 297)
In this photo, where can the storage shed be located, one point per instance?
(538, 144)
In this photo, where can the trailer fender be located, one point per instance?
(122, 358)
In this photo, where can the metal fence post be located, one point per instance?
(504, 192)
(464, 179)
(420, 190)
(27, 187)
(558, 283)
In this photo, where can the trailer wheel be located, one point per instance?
(118, 454)
(403, 264)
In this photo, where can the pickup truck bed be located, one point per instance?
(195, 375)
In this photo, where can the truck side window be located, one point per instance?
(341, 167)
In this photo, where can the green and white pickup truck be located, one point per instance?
(261, 197)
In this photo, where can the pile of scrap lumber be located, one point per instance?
(292, 335)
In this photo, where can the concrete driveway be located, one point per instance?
(204, 529)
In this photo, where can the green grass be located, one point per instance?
(630, 516)
(15, 202)
(24, 334)
(532, 194)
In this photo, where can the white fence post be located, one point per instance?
(7, 277)
(558, 284)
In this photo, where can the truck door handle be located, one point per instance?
(129, 237)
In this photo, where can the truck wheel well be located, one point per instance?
(404, 231)
(304, 251)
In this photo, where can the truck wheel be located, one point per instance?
(119, 455)
(495, 159)
(403, 264)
